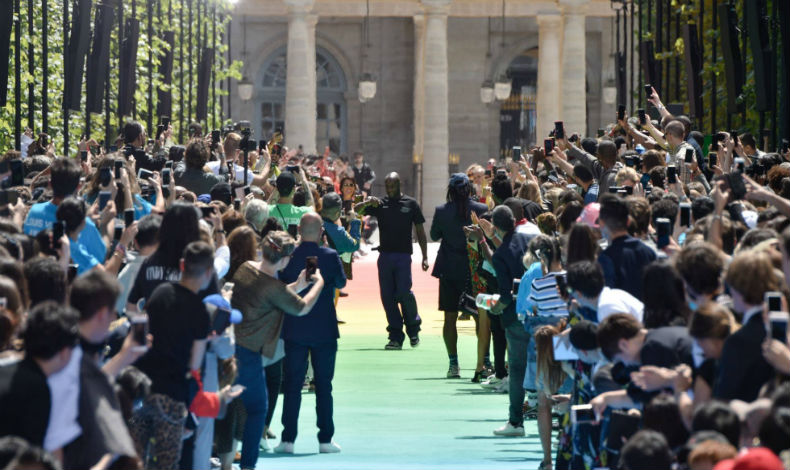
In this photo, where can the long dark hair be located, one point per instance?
(179, 228)
(459, 194)
(664, 296)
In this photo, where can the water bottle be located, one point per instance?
(486, 301)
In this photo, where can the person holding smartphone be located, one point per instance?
(231, 156)
(313, 335)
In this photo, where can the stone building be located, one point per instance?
(429, 59)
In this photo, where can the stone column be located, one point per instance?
(436, 146)
(300, 87)
(549, 106)
(574, 66)
(419, 103)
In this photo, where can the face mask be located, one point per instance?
(605, 233)
(692, 305)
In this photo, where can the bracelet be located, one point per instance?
(120, 249)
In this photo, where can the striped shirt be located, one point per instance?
(545, 296)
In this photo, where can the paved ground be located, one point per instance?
(395, 409)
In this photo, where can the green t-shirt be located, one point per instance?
(288, 214)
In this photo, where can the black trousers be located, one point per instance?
(500, 346)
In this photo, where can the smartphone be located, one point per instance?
(113, 148)
(689, 158)
(84, 155)
(601, 133)
(118, 232)
(159, 130)
(144, 174)
(629, 190)
(785, 147)
(215, 136)
(642, 116)
(778, 322)
(237, 204)
(516, 154)
(629, 161)
(774, 301)
(247, 190)
(17, 172)
(58, 230)
(293, 230)
(582, 414)
(672, 174)
(139, 331)
(169, 164)
(105, 176)
(237, 388)
(734, 136)
(72, 272)
(548, 145)
(737, 185)
(104, 198)
(118, 168)
(713, 160)
(488, 174)
(614, 189)
(221, 320)
(648, 90)
(207, 211)
(685, 214)
(664, 229)
(740, 164)
(559, 130)
(128, 217)
(166, 172)
(262, 145)
(620, 112)
(165, 122)
(310, 265)
(292, 168)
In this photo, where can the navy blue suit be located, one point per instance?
(623, 262)
(742, 368)
(315, 334)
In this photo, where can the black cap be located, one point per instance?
(222, 192)
(331, 201)
(583, 336)
(285, 183)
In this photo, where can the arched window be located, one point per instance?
(330, 105)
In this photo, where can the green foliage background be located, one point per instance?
(168, 15)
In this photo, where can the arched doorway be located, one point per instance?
(518, 114)
(330, 105)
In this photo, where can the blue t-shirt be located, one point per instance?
(84, 260)
(42, 216)
(141, 206)
(523, 304)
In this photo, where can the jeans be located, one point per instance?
(274, 377)
(252, 376)
(322, 356)
(517, 343)
(395, 288)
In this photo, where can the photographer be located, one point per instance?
(231, 153)
(134, 139)
(191, 173)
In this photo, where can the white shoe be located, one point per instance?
(490, 382)
(509, 430)
(503, 386)
(329, 448)
(288, 447)
(265, 445)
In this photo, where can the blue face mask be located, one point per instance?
(692, 305)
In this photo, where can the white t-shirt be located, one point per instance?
(64, 388)
(528, 228)
(214, 167)
(618, 301)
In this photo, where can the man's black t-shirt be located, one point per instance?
(24, 401)
(667, 347)
(176, 318)
(396, 217)
(155, 271)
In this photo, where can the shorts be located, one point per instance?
(450, 291)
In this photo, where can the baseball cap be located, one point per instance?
(458, 179)
(222, 192)
(589, 214)
(331, 201)
(204, 198)
(756, 458)
(217, 302)
(285, 183)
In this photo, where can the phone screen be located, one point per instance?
(774, 301)
(713, 160)
(664, 229)
(128, 217)
(779, 329)
(620, 112)
(139, 329)
(672, 177)
(104, 198)
(293, 230)
(310, 265)
(582, 414)
(105, 177)
(685, 215)
(689, 156)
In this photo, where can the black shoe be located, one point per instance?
(479, 375)
(343, 294)
(414, 341)
(393, 345)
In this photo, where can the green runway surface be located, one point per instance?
(395, 410)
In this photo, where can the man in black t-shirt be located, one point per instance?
(396, 214)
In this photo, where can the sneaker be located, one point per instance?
(464, 316)
(530, 412)
(491, 382)
(532, 399)
(342, 294)
(269, 434)
(508, 430)
(393, 346)
(329, 448)
(265, 445)
(414, 341)
(454, 372)
(214, 462)
(288, 447)
(503, 386)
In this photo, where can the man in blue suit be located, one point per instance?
(315, 334)
(452, 261)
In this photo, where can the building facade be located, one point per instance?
(429, 59)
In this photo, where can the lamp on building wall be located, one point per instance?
(366, 89)
(503, 86)
(609, 92)
(487, 92)
(245, 85)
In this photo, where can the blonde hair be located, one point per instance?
(625, 174)
(530, 191)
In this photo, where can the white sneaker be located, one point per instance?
(288, 447)
(265, 445)
(329, 448)
(503, 386)
(491, 382)
(509, 430)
